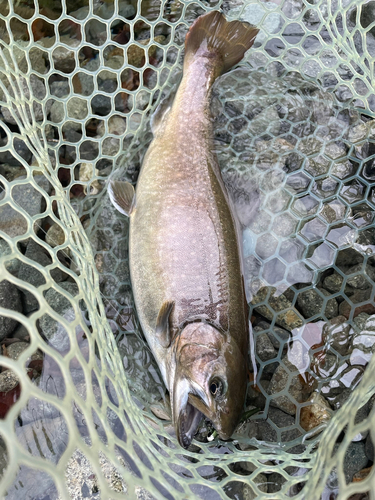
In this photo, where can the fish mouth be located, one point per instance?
(187, 424)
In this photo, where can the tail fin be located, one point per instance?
(213, 34)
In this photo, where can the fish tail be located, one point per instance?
(212, 35)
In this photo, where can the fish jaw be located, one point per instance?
(194, 368)
(186, 417)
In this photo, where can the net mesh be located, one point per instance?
(295, 135)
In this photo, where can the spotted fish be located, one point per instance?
(185, 257)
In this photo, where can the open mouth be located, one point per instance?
(187, 424)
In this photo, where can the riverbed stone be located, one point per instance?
(55, 333)
(9, 299)
(280, 381)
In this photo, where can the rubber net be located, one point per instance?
(295, 138)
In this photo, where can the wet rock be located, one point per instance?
(342, 169)
(318, 165)
(21, 149)
(63, 58)
(370, 324)
(360, 476)
(359, 281)
(27, 197)
(369, 448)
(366, 17)
(261, 481)
(38, 91)
(101, 105)
(116, 126)
(333, 282)
(280, 418)
(264, 347)
(332, 307)
(16, 349)
(359, 132)
(275, 482)
(11, 265)
(279, 336)
(360, 416)
(359, 323)
(110, 147)
(310, 303)
(8, 381)
(60, 89)
(57, 114)
(258, 429)
(347, 258)
(256, 398)
(268, 370)
(22, 333)
(31, 275)
(9, 299)
(55, 236)
(89, 150)
(355, 460)
(346, 308)
(35, 56)
(280, 381)
(338, 334)
(337, 396)
(335, 150)
(11, 172)
(317, 413)
(288, 319)
(86, 173)
(285, 425)
(333, 210)
(125, 9)
(55, 333)
(77, 108)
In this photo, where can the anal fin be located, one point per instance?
(162, 330)
(122, 196)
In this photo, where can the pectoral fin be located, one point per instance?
(162, 330)
(122, 196)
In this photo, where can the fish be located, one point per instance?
(184, 245)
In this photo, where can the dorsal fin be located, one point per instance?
(162, 330)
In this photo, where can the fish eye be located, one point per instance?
(217, 387)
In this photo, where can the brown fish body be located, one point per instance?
(185, 251)
(183, 238)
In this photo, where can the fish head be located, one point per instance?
(209, 378)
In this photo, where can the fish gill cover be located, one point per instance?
(295, 135)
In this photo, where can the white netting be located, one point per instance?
(296, 144)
